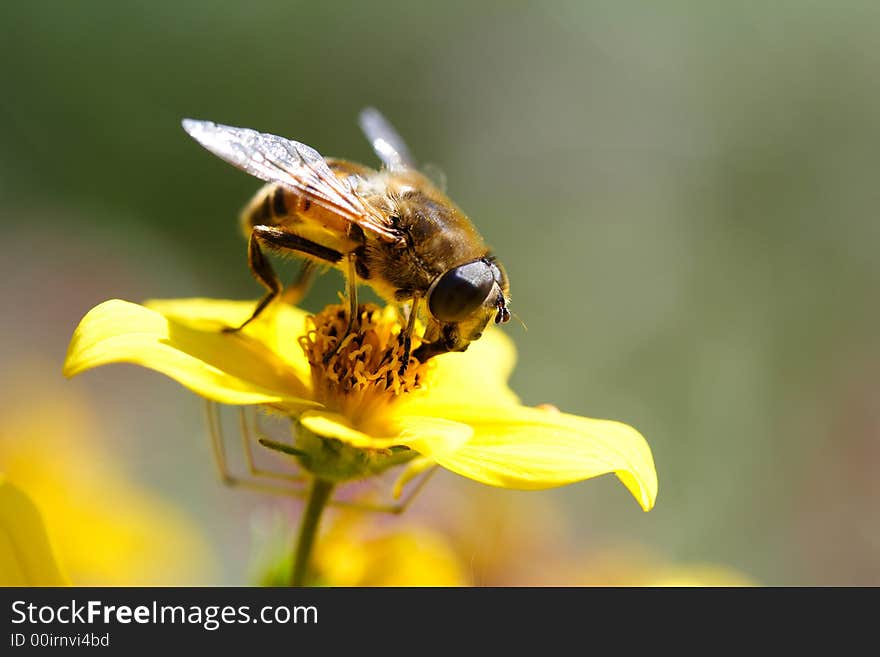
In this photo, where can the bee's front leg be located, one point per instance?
(406, 334)
(430, 349)
(447, 340)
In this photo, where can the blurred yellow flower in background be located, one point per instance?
(511, 539)
(455, 410)
(483, 540)
(356, 550)
(633, 566)
(106, 527)
(413, 556)
(26, 554)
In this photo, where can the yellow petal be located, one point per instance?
(229, 368)
(531, 448)
(426, 435)
(432, 436)
(277, 327)
(26, 557)
(459, 378)
(334, 425)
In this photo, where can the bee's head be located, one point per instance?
(464, 299)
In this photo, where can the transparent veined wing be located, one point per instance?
(292, 164)
(385, 140)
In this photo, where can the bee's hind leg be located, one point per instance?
(262, 270)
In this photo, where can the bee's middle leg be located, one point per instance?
(353, 314)
(301, 284)
(351, 284)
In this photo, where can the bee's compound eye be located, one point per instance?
(460, 291)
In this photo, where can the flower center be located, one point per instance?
(357, 373)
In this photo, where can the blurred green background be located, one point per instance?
(685, 199)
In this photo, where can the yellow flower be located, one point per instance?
(529, 541)
(489, 540)
(415, 556)
(354, 552)
(632, 566)
(107, 529)
(26, 555)
(456, 410)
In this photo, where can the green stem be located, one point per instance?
(319, 495)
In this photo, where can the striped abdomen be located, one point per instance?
(277, 206)
(274, 205)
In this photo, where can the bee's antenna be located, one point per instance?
(519, 319)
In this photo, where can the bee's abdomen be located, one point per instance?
(273, 205)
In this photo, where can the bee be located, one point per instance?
(392, 229)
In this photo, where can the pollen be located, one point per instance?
(358, 371)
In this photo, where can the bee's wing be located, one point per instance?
(386, 143)
(292, 164)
